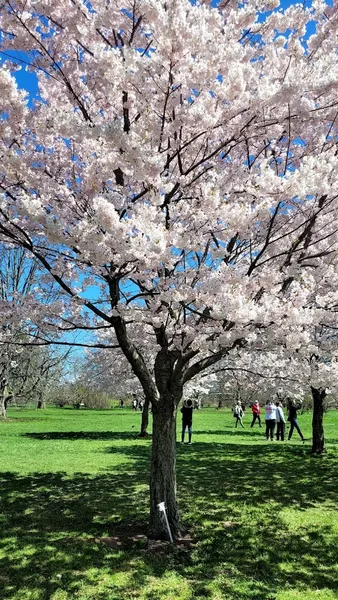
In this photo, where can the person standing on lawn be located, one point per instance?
(134, 402)
(292, 418)
(256, 414)
(238, 413)
(270, 419)
(186, 411)
(280, 421)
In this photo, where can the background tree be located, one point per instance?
(34, 372)
(25, 371)
(285, 374)
(176, 178)
(103, 370)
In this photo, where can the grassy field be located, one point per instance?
(73, 509)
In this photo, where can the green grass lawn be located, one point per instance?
(73, 507)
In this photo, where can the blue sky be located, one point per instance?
(27, 79)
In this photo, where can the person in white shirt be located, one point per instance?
(270, 420)
(238, 413)
(280, 421)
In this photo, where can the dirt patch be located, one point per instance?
(123, 537)
(230, 524)
(126, 536)
(116, 541)
(164, 547)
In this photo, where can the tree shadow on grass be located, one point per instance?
(134, 433)
(84, 435)
(281, 472)
(225, 482)
(332, 441)
(232, 431)
(217, 480)
(14, 419)
(265, 557)
(232, 496)
(56, 530)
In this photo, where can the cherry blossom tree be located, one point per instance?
(287, 373)
(24, 370)
(106, 371)
(176, 177)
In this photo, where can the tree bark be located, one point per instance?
(318, 445)
(3, 397)
(145, 419)
(163, 471)
(3, 410)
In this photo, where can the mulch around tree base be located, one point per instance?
(163, 547)
(129, 535)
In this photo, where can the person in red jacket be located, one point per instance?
(256, 412)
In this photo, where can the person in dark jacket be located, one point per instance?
(186, 411)
(292, 418)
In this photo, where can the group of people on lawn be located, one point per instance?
(274, 416)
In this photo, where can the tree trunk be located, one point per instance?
(145, 419)
(3, 411)
(318, 396)
(163, 471)
(3, 397)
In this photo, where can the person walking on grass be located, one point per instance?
(270, 420)
(256, 414)
(280, 422)
(238, 413)
(292, 418)
(186, 411)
